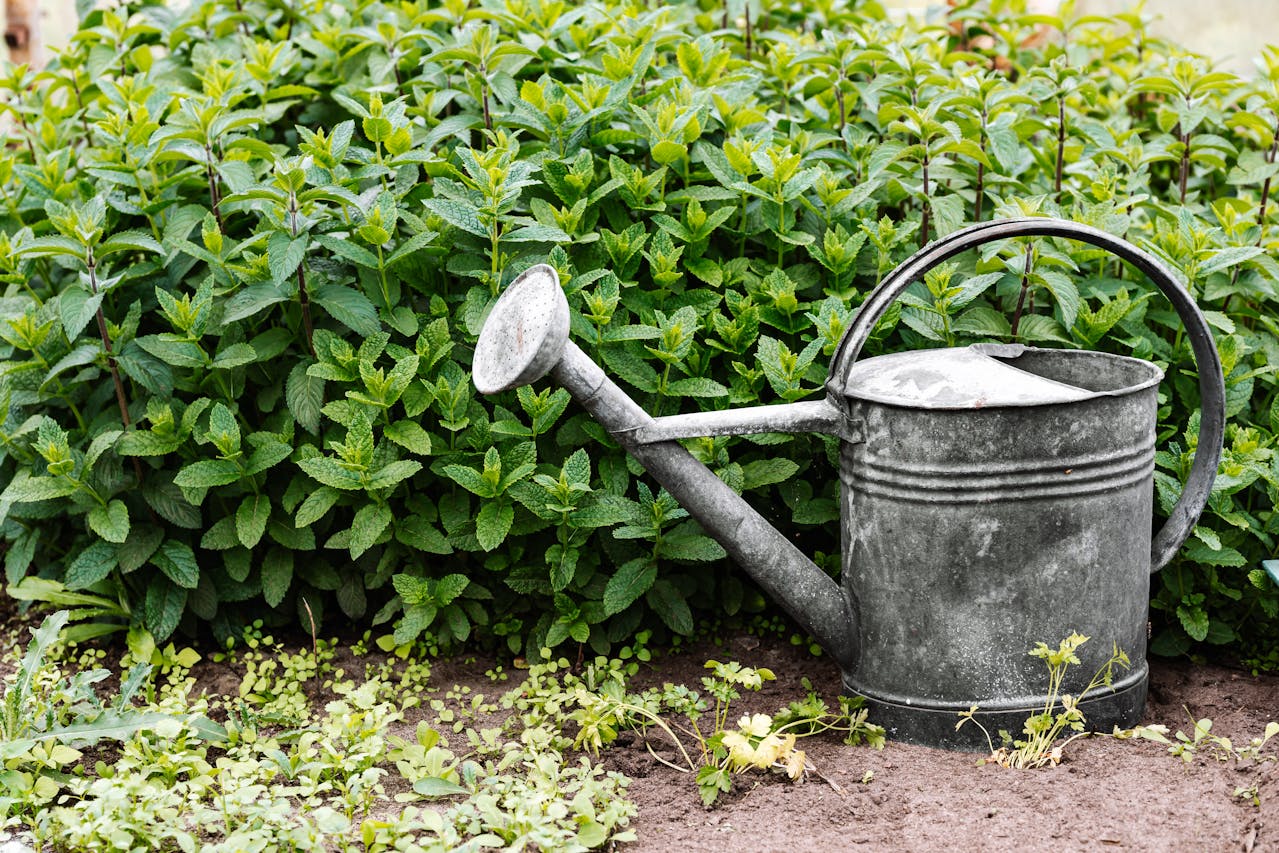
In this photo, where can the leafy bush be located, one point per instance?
(247, 248)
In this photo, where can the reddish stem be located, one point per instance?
(1021, 297)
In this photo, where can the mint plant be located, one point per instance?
(245, 252)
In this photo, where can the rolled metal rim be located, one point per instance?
(1212, 388)
(1154, 378)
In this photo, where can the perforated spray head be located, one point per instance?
(525, 333)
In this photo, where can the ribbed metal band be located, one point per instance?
(993, 483)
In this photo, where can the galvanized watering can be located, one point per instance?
(993, 496)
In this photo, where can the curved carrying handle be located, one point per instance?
(1212, 388)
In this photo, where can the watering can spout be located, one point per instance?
(526, 337)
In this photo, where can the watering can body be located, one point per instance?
(984, 516)
(992, 497)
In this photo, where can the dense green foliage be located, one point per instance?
(248, 246)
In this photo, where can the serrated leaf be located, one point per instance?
(144, 443)
(470, 479)
(26, 489)
(91, 565)
(177, 561)
(458, 215)
(1064, 293)
(537, 233)
(349, 307)
(627, 584)
(208, 473)
(284, 255)
(234, 356)
(268, 454)
(304, 395)
(493, 523)
(417, 533)
(410, 436)
(1228, 257)
(143, 541)
(238, 562)
(133, 240)
(163, 607)
(353, 252)
(1194, 620)
(145, 369)
(170, 504)
(1199, 552)
(315, 506)
(449, 587)
(251, 518)
(76, 307)
(100, 444)
(277, 575)
(221, 535)
(563, 563)
(417, 618)
(351, 597)
(111, 522)
(984, 322)
(765, 472)
(176, 353)
(577, 468)
(369, 523)
(250, 301)
(1041, 327)
(330, 473)
(697, 386)
(669, 604)
(392, 473)
(688, 543)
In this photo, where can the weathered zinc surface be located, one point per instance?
(993, 496)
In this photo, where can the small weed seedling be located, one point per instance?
(1040, 747)
(717, 752)
(1202, 741)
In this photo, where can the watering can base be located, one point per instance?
(934, 726)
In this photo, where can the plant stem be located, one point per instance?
(488, 114)
(927, 207)
(120, 397)
(1265, 188)
(215, 198)
(843, 116)
(1021, 297)
(304, 300)
(1185, 164)
(981, 170)
(1061, 144)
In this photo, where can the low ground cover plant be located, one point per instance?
(246, 247)
(306, 757)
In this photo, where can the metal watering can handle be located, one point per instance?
(1212, 388)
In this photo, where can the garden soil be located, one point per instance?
(1106, 794)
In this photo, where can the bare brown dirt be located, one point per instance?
(1106, 793)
